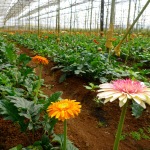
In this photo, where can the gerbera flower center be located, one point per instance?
(128, 86)
(63, 105)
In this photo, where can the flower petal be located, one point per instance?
(140, 96)
(123, 96)
(143, 104)
(115, 96)
(104, 94)
(121, 103)
(108, 89)
(148, 101)
(107, 99)
(106, 85)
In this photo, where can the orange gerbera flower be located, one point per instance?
(64, 109)
(95, 41)
(113, 39)
(46, 37)
(40, 60)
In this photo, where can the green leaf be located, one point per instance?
(88, 87)
(10, 53)
(26, 71)
(46, 142)
(62, 78)
(29, 110)
(53, 98)
(79, 71)
(10, 112)
(103, 79)
(18, 147)
(3, 66)
(70, 146)
(23, 58)
(136, 109)
(20, 102)
(60, 139)
(32, 147)
(48, 123)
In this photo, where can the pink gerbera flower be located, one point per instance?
(123, 90)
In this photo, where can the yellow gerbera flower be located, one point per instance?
(123, 90)
(40, 60)
(64, 109)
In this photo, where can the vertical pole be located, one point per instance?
(91, 16)
(75, 16)
(95, 20)
(29, 17)
(64, 22)
(109, 34)
(85, 22)
(97, 25)
(88, 16)
(135, 6)
(107, 16)
(48, 16)
(102, 16)
(71, 16)
(112, 15)
(128, 20)
(137, 24)
(56, 21)
(35, 29)
(58, 11)
(22, 12)
(38, 17)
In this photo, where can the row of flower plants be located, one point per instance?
(22, 101)
(88, 57)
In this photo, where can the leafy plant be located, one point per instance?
(140, 134)
(77, 55)
(18, 84)
(136, 109)
(135, 135)
(60, 138)
(123, 136)
(101, 124)
(91, 87)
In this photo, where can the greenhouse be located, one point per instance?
(74, 75)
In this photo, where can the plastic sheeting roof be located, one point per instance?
(17, 8)
(4, 6)
(23, 10)
(12, 8)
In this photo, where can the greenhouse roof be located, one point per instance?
(4, 5)
(16, 8)
(13, 12)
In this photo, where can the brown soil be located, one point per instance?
(85, 131)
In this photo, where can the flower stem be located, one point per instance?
(39, 84)
(65, 135)
(120, 126)
(109, 53)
